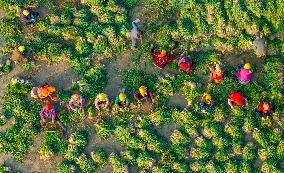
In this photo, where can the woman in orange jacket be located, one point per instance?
(46, 91)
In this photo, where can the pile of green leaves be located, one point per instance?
(53, 143)
(93, 82)
(133, 79)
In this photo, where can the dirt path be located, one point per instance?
(60, 75)
(178, 99)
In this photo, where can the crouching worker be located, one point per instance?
(102, 102)
(48, 111)
(217, 73)
(185, 63)
(18, 54)
(207, 103)
(46, 91)
(245, 74)
(264, 110)
(28, 15)
(160, 57)
(121, 101)
(77, 103)
(143, 94)
(236, 98)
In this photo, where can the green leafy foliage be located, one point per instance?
(133, 79)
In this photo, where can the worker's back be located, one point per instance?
(17, 56)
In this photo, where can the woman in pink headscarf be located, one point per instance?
(245, 74)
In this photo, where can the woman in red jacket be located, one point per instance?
(160, 57)
(236, 98)
(264, 109)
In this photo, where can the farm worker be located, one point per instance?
(217, 73)
(259, 46)
(28, 15)
(264, 109)
(121, 101)
(185, 63)
(43, 92)
(206, 102)
(245, 74)
(48, 111)
(17, 54)
(135, 34)
(160, 57)
(236, 98)
(77, 103)
(101, 101)
(143, 93)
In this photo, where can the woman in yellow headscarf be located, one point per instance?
(143, 93)
(46, 91)
(101, 101)
(121, 100)
(28, 15)
(206, 103)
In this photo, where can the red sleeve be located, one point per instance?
(260, 106)
(171, 58)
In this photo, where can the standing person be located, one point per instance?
(259, 45)
(245, 74)
(102, 101)
(217, 73)
(143, 94)
(48, 111)
(236, 98)
(207, 103)
(264, 110)
(77, 103)
(46, 91)
(135, 34)
(160, 57)
(121, 101)
(28, 15)
(185, 63)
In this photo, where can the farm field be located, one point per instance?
(85, 47)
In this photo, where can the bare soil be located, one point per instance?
(178, 100)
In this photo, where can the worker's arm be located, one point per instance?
(117, 101)
(230, 103)
(107, 103)
(246, 101)
(83, 102)
(71, 105)
(127, 102)
(42, 114)
(259, 113)
(151, 96)
(136, 97)
(53, 115)
(96, 103)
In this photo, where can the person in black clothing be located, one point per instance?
(28, 15)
